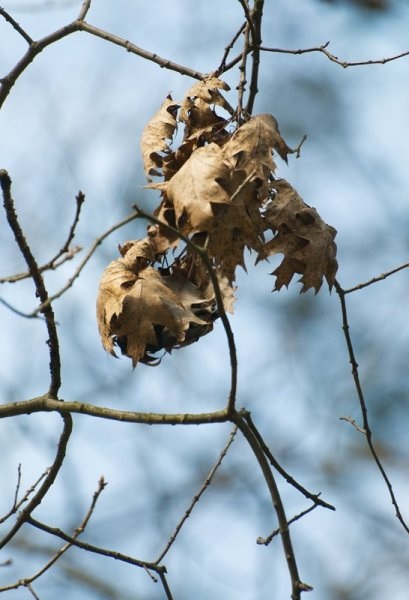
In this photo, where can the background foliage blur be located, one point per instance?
(73, 121)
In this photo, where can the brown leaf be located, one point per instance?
(195, 191)
(302, 236)
(238, 228)
(201, 122)
(252, 144)
(155, 135)
(150, 311)
(208, 91)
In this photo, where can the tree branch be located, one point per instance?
(227, 50)
(41, 291)
(343, 63)
(197, 496)
(164, 63)
(297, 585)
(55, 531)
(48, 481)
(95, 244)
(29, 580)
(274, 463)
(64, 254)
(256, 17)
(17, 503)
(16, 26)
(47, 404)
(380, 277)
(366, 427)
(36, 47)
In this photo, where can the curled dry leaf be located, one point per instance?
(146, 311)
(155, 136)
(302, 236)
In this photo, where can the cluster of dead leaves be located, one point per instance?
(218, 190)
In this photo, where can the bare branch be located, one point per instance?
(41, 291)
(79, 25)
(55, 531)
(48, 481)
(18, 312)
(86, 5)
(47, 404)
(227, 50)
(353, 423)
(266, 541)
(63, 255)
(27, 581)
(165, 63)
(18, 503)
(32, 592)
(256, 17)
(343, 63)
(366, 428)
(242, 68)
(16, 26)
(380, 277)
(274, 463)
(297, 585)
(197, 496)
(95, 244)
(249, 19)
(50, 265)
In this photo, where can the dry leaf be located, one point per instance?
(147, 311)
(155, 135)
(302, 236)
(208, 91)
(195, 191)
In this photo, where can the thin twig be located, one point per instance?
(32, 592)
(55, 531)
(95, 244)
(36, 47)
(86, 5)
(227, 50)
(297, 585)
(24, 515)
(27, 581)
(353, 423)
(249, 19)
(165, 63)
(242, 68)
(364, 410)
(343, 63)
(50, 265)
(274, 463)
(18, 312)
(166, 588)
(18, 503)
(266, 541)
(63, 255)
(198, 495)
(380, 277)
(41, 291)
(256, 18)
(16, 26)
